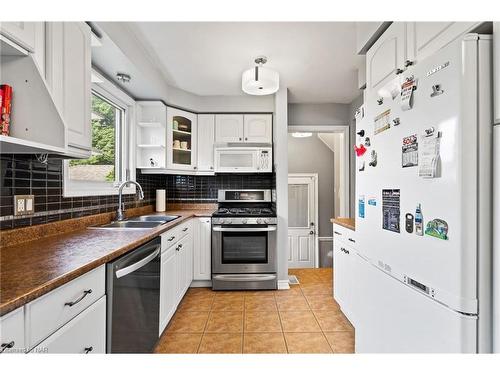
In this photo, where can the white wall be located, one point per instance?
(280, 139)
(123, 52)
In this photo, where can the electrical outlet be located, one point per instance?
(23, 204)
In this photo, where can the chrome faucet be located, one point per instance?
(120, 214)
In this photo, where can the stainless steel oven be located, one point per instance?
(244, 242)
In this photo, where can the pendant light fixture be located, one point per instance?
(260, 80)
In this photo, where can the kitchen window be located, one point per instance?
(110, 161)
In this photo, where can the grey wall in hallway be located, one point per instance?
(311, 155)
(318, 114)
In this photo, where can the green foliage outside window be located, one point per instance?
(103, 136)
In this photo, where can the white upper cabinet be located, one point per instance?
(425, 38)
(258, 128)
(228, 128)
(206, 131)
(68, 72)
(367, 33)
(181, 140)
(496, 68)
(23, 33)
(386, 57)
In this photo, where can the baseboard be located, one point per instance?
(283, 284)
(201, 284)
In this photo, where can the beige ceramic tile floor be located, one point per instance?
(303, 319)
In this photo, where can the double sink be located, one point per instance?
(139, 222)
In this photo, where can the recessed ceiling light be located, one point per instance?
(301, 134)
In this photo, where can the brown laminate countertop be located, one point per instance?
(346, 222)
(30, 269)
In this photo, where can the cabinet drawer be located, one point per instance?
(50, 312)
(344, 234)
(175, 234)
(12, 332)
(86, 333)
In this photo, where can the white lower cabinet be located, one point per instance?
(202, 248)
(12, 332)
(85, 334)
(176, 271)
(344, 273)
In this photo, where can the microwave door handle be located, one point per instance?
(222, 229)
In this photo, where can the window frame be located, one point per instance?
(126, 138)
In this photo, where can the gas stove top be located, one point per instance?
(244, 211)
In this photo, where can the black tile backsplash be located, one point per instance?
(203, 189)
(24, 174)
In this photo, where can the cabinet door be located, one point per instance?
(85, 334)
(228, 128)
(181, 140)
(425, 38)
(186, 252)
(206, 134)
(386, 56)
(68, 74)
(168, 293)
(338, 268)
(12, 332)
(202, 249)
(496, 67)
(23, 33)
(258, 128)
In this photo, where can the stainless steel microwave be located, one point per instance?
(244, 159)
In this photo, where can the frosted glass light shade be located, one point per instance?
(268, 81)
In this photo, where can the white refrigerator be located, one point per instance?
(427, 289)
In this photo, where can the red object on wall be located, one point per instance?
(5, 108)
(360, 150)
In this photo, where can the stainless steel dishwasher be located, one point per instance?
(133, 298)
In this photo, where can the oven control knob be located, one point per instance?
(244, 221)
(266, 221)
(259, 221)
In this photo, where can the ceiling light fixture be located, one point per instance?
(260, 80)
(301, 134)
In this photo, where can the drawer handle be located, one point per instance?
(350, 239)
(85, 292)
(340, 234)
(6, 346)
(171, 238)
(88, 350)
(185, 229)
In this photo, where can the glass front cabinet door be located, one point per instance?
(181, 140)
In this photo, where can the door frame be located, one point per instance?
(344, 158)
(314, 177)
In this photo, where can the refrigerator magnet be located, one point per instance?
(367, 142)
(409, 222)
(361, 206)
(373, 159)
(409, 151)
(437, 228)
(382, 122)
(390, 209)
(360, 151)
(362, 166)
(372, 201)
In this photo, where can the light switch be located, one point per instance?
(23, 205)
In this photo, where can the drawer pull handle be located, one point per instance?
(350, 239)
(185, 229)
(88, 350)
(340, 234)
(7, 345)
(85, 292)
(171, 238)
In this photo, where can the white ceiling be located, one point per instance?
(316, 60)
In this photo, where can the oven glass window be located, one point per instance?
(244, 247)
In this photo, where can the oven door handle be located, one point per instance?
(222, 229)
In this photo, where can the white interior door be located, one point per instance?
(302, 221)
